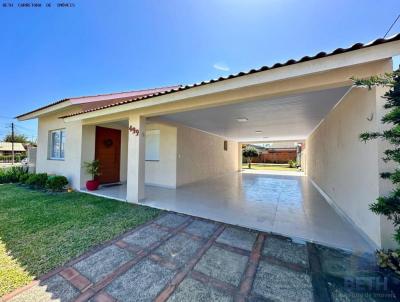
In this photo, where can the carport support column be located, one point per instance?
(240, 157)
(136, 164)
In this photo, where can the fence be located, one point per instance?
(8, 158)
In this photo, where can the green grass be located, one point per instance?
(40, 231)
(269, 167)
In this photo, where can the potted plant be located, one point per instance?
(92, 168)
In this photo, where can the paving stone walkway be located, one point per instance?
(182, 258)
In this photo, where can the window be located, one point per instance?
(152, 145)
(57, 140)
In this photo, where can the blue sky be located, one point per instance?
(106, 46)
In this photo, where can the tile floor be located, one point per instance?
(182, 258)
(284, 204)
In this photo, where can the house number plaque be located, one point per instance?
(134, 130)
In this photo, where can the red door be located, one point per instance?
(108, 153)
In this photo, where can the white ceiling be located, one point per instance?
(287, 118)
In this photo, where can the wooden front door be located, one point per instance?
(108, 153)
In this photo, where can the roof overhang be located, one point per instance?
(54, 107)
(90, 102)
(301, 69)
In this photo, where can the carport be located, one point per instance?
(286, 204)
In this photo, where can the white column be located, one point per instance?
(240, 159)
(136, 164)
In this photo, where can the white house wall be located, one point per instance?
(201, 155)
(71, 165)
(163, 172)
(345, 168)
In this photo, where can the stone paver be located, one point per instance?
(145, 237)
(286, 250)
(238, 237)
(103, 262)
(192, 290)
(179, 260)
(281, 284)
(335, 262)
(141, 283)
(179, 249)
(202, 228)
(171, 220)
(222, 265)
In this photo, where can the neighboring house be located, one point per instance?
(178, 135)
(6, 148)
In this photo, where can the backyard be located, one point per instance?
(273, 167)
(40, 231)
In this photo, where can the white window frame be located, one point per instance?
(61, 151)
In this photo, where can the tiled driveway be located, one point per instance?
(182, 258)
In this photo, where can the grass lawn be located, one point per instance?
(273, 167)
(40, 231)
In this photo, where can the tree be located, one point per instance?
(249, 152)
(18, 138)
(388, 205)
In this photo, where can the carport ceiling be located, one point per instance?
(287, 118)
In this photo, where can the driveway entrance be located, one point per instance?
(181, 258)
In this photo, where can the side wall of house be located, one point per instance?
(345, 168)
(201, 155)
(71, 164)
(163, 172)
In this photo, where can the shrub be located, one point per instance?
(23, 178)
(56, 183)
(292, 164)
(37, 181)
(11, 174)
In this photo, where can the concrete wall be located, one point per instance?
(201, 155)
(163, 172)
(345, 168)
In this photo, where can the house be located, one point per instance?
(6, 148)
(163, 143)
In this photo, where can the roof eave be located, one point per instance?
(323, 64)
(44, 110)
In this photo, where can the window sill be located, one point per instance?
(57, 159)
